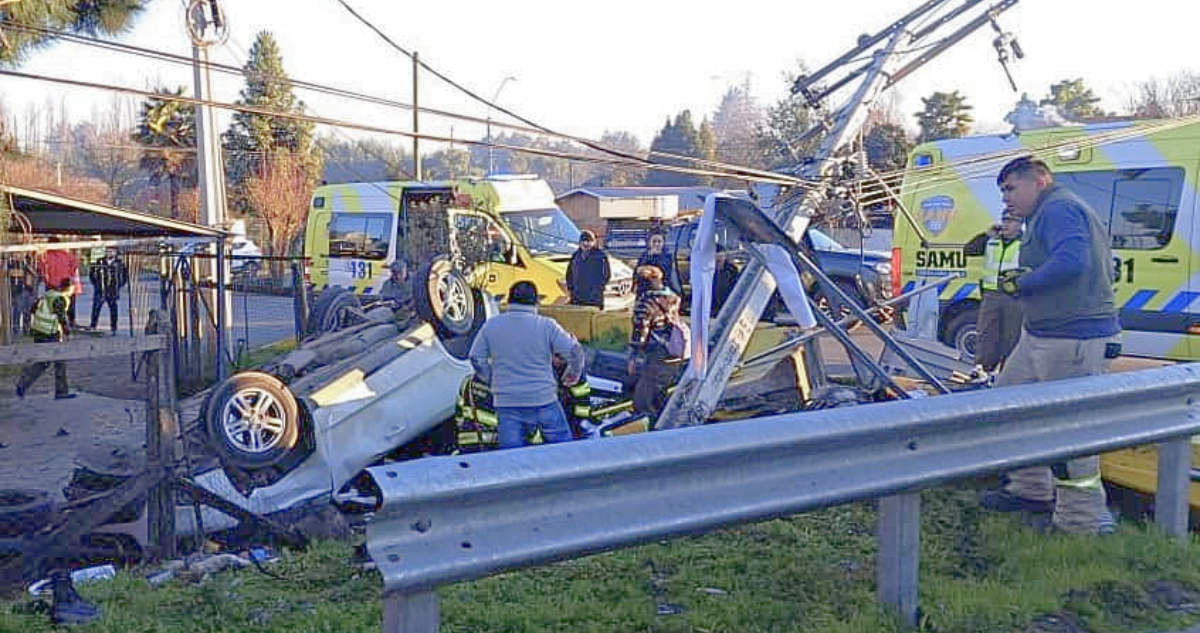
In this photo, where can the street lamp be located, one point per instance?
(495, 97)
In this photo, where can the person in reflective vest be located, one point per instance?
(51, 324)
(999, 321)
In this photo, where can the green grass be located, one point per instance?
(260, 355)
(614, 340)
(812, 572)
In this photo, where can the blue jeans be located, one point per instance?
(518, 423)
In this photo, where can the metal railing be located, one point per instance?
(449, 519)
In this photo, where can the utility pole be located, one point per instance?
(206, 28)
(491, 154)
(416, 118)
(891, 54)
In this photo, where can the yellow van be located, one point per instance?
(507, 227)
(1140, 177)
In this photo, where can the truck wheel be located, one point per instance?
(330, 310)
(444, 298)
(962, 335)
(23, 511)
(254, 421)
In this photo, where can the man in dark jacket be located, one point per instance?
(588, 273)
(1071, 329)
(108, 277)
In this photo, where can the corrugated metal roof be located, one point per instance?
(52, 213)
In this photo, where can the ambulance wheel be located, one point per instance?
(331, 309)
(962, 335)
(444, 298)
(254, 421)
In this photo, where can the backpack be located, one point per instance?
(680, 343)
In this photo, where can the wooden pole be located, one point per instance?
(161, 430)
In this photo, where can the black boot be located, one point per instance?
(69, 608)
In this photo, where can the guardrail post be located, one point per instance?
(411, 612)
(1174, 484)
(899, 555)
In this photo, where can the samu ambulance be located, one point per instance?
(1141, 179)
(355, 231)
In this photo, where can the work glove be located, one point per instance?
(1009, 281)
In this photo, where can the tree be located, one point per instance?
(166, 131)
(777, 137)
(105, 151)
(887, 147)
(1074, 100)
(736, 123)
(613, 176)
(89, 17)
(449, 164)
(252, 136)
(707, 146)
(280, 191)
(680, 138)
(362, 160)
(1173, 96)
(945, 115)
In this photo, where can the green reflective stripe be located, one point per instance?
(487, 417)
(1091, 481)
(613, 408)
(580, 390)
(581, 411)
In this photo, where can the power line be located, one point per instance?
(731, 171)
(773, 178)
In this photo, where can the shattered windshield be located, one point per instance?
(545, 232)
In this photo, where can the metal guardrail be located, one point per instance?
(449, 519)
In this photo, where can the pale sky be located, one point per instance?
(622, 64)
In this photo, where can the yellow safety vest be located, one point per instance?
(45, 321)
(998, 258)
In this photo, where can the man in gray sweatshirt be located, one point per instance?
(514, 353)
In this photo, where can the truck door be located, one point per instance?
(1152, 259)
(488, 254)
(359, 245)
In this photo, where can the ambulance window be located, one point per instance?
(360, 235)
(1144, 207)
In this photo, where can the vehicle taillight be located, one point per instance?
(896, 284)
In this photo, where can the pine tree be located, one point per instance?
(735, 124)
(946, 115)
(253, 138)
(680, 138)
(1074, 100)
(89, 17)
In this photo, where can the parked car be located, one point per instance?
(862, 274)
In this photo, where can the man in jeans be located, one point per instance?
(1064, 284)
(514, 353)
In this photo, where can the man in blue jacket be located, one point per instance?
(514, 353)
(1064, 284)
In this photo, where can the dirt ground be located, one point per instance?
(42, 437)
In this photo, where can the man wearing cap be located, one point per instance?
(588, 273)
(999, 321)
(514, 353)
(1071, 330)
(398, 289)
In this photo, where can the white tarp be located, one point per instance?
(703, 267)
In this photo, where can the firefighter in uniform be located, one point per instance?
(1071, 330)
(51, 324)
(999, 323)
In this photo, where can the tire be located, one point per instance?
(254, 422)
(444, 298)
(23, 511)
(329, 311)
(960, 333)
